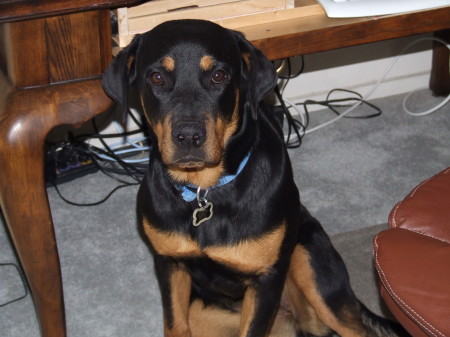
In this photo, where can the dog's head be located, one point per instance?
(198, 85)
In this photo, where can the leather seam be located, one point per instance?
(406, 308)
(412, 193)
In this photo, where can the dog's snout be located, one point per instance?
(189, 133)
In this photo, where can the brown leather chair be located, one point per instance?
(413, 259)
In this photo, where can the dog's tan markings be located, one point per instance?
(206, 63)
(205, 177)
(180, 292)
(303, 276)
(171, 244)
(222, 129)
(130, 62)
(250, 256)
(248, 311)
(306, 319)
(260, 254)
(230, 127)
(214, 144)
(246, 58)
(283, 326)
(168, 63)
(145, 111)
(210, 321)
(163, 131)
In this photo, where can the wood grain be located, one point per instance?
(52, 50)
(15, 10)
(440, 79)
(320, 33)
(26, 118)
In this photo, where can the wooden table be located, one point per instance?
(52, 55)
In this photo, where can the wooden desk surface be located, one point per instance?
(15, 10)
(318, 33)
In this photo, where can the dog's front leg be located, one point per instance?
(260, 305)
(175, 285)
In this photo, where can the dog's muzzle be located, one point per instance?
(188, 138)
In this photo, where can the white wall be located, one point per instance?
(359, 68)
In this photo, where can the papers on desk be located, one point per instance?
(360, 8)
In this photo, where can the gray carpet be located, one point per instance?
(350, 175)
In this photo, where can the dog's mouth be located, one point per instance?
(189, 162)
(196, 171)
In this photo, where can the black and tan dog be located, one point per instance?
(235, 252)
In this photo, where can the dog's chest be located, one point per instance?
(254, 256)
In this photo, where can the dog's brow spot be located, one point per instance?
(206, 63)
(168, 63)
(246, 58)
(130, 62)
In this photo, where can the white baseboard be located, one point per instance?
(389, 87)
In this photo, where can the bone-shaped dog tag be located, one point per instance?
(202, 214)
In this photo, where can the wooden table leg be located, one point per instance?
(26, 210)
(440, 76)
(27, 117)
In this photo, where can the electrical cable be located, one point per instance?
(290, 76)
(90, 204)
(24, 284)
(286, 63)
(293, 125)
(117, 149)
(79, 150)
(108, 151)
(332, 104)
(375, 86)
(137, 143)
(422, 113)
(388, 69)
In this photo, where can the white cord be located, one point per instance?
(422, 113)
(300, 114)
(136, 143)
(375, 86)
(136, 149)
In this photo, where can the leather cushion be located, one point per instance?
(414, 270)
(413, 258)
(426, 209)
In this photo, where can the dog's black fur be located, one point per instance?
(262, 265)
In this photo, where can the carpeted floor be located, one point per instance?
(350, 175)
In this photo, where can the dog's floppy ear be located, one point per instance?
(258, 73)
(120, 74)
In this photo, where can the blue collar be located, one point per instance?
(189, 192)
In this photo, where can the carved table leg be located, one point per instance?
(440, 77)
(26, 117)
(26, 210)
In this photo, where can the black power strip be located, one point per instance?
(67, 161)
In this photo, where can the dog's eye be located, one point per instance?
(218, 77)
(156, 78)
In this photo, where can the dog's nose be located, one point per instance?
(189, 133)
